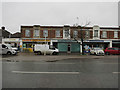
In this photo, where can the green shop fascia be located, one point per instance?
(70, 46)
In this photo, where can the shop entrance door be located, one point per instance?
(69, 48)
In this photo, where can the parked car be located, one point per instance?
(16, 49)
(7, 49)
(45, 49)
(112, 50)
(96, 51)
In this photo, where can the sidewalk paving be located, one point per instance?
(34, 57)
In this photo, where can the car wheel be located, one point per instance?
(54, 53)
(97, 54)
(107, 53)
(9, 53)
(90, 53)
(39, 53)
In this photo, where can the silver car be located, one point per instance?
(7, 49)
(97, 51)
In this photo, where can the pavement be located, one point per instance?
(33, 57)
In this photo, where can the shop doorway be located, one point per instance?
(69, 48)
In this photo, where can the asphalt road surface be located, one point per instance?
(85, 72)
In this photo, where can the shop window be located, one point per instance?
(45, 33)
(24, 45)
(104, 34)
(27, 33)
(27, 45)
(36, 33)
(75, 33)
(57, 33)
(95, 33)
(115, 34)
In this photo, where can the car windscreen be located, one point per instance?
(97, 49)
(116, 49)
(9, 46)
(52, 47)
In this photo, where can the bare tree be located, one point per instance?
(81, 32)
(79, 27)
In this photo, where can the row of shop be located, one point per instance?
(64, 45)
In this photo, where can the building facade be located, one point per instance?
(9, 38)
(68, 38)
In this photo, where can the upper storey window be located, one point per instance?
(67, 33)
(75, 34)
(95, 33)
(57, 33)
(115, 34)
(104, 34)
(45, 33)
(36, 33)
(27, 33)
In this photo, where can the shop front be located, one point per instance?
(116, 43)
(98, 43)
(28, 44)
(68, 46)
(14, 42)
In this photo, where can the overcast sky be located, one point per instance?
(14, 14)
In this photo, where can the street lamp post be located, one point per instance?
(45, 38)
(45, 44)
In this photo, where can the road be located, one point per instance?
(76, 72)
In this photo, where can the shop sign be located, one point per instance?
(66, 40)
(107, 41)
(96, 40)
(34, 40)
(11, 39)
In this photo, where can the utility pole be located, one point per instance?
(45, 44)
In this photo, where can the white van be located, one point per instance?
(7, 49)
(45, 49)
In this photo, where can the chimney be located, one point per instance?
(3, 28)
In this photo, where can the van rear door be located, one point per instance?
(4, 49)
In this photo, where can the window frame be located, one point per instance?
(35, 33)
(66, 33)
(104, 36)
(26, 35)
(96, 34)
(75, 36)
(57, 35)
(115, 34)
(44, 33)
(87, 33)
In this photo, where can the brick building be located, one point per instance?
(64, 37)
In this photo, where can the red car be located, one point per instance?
(112, 50)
